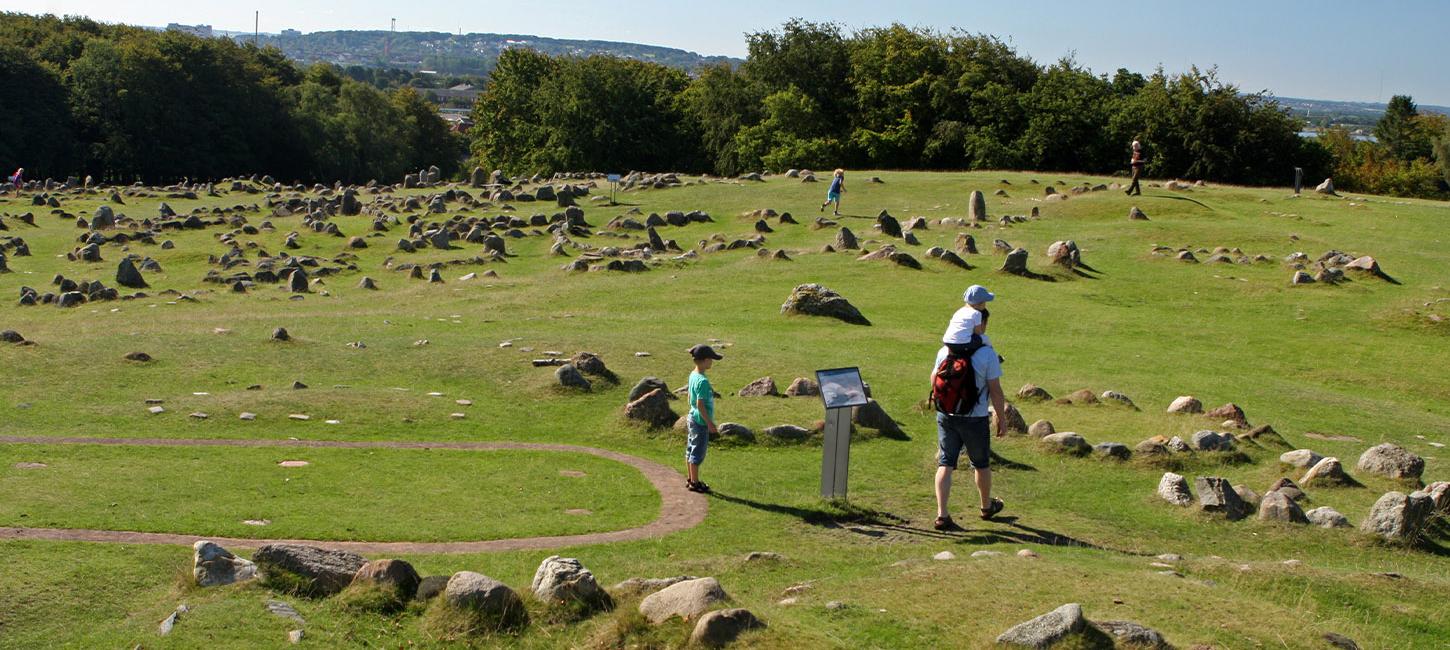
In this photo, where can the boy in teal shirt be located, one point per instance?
(702, 416)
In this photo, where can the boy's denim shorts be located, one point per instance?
(953, 433)
(697, 442)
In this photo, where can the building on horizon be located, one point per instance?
(203, 31)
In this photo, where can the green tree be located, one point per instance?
(38, 132)
(721, 102)
(429, 140)
(1400, 132)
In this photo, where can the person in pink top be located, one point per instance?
(17, 179)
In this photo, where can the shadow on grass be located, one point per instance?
(1181, 198)
(830, 515)
(998, 462)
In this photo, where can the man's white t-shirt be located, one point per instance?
(961, 326)
(985, 365)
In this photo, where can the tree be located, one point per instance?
(1400, 132)
(430, 142)
(720, 102)
(39, 134)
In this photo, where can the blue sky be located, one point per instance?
(1331, 49)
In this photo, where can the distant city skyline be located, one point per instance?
(1332, 50)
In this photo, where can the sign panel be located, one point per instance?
(613, 178)
(841, 387)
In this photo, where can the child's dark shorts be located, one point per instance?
(953, 433)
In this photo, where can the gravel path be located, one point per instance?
(680, 509)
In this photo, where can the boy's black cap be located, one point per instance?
(704, 352)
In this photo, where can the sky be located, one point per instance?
(1330, 49)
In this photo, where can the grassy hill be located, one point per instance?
(1333, 368)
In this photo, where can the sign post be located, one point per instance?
(1298, 179)
(613, 189)
(841, 390)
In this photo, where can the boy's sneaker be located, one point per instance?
(697, 486)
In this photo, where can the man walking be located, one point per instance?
(1137, 164)
(966, 424)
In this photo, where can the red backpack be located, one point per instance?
(954, 384)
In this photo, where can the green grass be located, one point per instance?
(1363, 359)
(343, 494)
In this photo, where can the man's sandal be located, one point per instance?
(997, 506)
(944, 523)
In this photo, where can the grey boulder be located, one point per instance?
(1047, 629)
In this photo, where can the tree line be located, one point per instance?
(809, 95)
(130, 104)
(127, 104)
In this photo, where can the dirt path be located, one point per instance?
(680, 509)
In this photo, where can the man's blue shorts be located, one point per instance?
(954, 432)
(697, 442)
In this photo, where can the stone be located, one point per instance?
(802, 387)
(1186, 404)
(139, 357)
(128, 276)
(1277, 506)
(645, 386)
(1300, 458)
(1067, 442)
(1112, 396)
(1016, 262)
(397, 575)
(1398, 517)
(569, 376)
(635, 586)
(721, 627)
(431, 587)
(1392, 461)
(1033, 392)
(1041, 429)
(297, 281)
(1081, 397)
(735, 431)
(1134, 214)
(763, 387)
(213, 565)
(1116, 450)
(492, 600)
(1173, 488)
(1229, 411)
(280, 334)
(1326, 517)
(283, 609)
(1328, 471)
(846, 240)
(1216, 495)
(653, 409)
(367, 283)
(1211, 441)
(788, 432)
(565, 580)
(1439, 493)
(872, 416)
(816, 300)
(1015, 422)
(1047, 629)
(889, 225)
(1301, 277)
(1288, 488)
(1340, 641)
(977, 206)
(318, 571)
(1327, 187)
(944, 556)
(1063, 253)
(1128, 634)
(686, 600)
